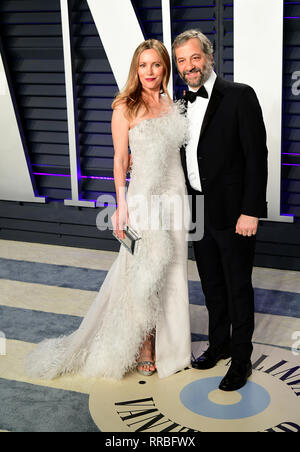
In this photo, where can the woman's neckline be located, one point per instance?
(151, 119)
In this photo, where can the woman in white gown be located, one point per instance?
(147, 292)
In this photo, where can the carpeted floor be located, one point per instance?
(46, 290)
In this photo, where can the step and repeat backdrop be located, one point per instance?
(62, 62)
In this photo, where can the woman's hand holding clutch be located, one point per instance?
(120, 219)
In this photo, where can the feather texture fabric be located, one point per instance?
(142, 292)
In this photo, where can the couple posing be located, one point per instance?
(213, 143)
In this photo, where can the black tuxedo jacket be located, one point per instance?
(232, 155)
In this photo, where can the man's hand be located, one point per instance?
(129, 164)
(247, 226)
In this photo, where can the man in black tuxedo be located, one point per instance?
(226, 161)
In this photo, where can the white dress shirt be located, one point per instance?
(195, 114)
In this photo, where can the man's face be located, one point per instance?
(194, 66)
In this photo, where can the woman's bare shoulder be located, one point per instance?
(120, 112)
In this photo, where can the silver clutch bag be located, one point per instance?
(130, 240)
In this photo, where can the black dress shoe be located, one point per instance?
(236, 376)
(209, 359)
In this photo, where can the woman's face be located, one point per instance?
(150, 70)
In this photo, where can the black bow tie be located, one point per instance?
(191, 96)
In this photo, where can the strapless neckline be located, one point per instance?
(152, 119)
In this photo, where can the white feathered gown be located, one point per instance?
(142, 292)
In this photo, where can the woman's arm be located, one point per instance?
(120, 128)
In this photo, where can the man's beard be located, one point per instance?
(204, 75)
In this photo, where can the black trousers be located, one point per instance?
(225, 263)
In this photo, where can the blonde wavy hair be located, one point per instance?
(132, 94)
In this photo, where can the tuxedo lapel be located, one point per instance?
(216, 97)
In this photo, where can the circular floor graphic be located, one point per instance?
(190, 400)
(202, 398)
